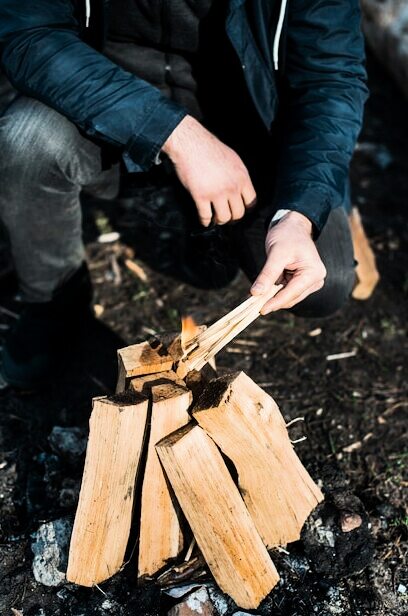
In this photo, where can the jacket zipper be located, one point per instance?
(278, 33)
(87, 12)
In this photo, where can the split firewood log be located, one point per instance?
(104, 514)
(222, 525)
(147, 357)
(161, 538)
(245, 422)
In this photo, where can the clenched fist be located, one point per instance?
(214, 175)
(292, 260)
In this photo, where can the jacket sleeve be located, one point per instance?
(325, 78)
(44, 57)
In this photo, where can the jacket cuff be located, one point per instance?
(313, 200)
(142, 149)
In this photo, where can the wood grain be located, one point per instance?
(147, 357)
(247, 425)
(161, 538)
(104, 513)
(221, 524)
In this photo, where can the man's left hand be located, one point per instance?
(292, 260)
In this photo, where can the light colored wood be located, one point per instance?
(201, 348)
(366, 269)
(245, 422)
(144, 384)
(161, 539)
(147, 357)
(221, 524)
(104, 513)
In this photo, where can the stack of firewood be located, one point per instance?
(169, 430)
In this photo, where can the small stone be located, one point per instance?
(219, 601)
(63, 594)
(108, 238)
(350, 521)
(326, 537)
(50, 548)
(108, 605)
(69, 494)
(197, 603)
(69, 443)
(177, 592)
(402, 589)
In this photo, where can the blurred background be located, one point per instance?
(355, 408)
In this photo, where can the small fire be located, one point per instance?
(189, 329)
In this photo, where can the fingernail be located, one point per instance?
(258, 287)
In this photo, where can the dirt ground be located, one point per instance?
(354, 408)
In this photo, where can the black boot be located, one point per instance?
(44, 332)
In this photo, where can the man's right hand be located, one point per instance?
(214, 175)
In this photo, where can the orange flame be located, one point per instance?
(189, 329)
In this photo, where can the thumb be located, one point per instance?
(268, 276)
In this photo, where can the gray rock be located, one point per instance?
(177, 592)
(110, 606)
(219, 600)
(50, 548)
(69, 443)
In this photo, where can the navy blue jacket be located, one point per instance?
(45, 55)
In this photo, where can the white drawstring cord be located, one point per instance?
(87, 12)
(278, 34)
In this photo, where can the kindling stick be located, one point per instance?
(202, 348)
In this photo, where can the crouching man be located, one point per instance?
(256, 104)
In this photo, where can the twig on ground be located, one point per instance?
(346, 355)
(136, 269)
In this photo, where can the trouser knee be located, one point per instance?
(335, 248)
(38, 142)
(334, 294)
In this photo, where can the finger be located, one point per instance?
(269, 275)
(313, 289)
(300, 285)
(204, 211)
(248, 194)
(270, 308)
(237, 207)
(222, 212)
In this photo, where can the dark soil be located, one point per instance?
(359, 401)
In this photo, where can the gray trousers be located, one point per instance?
(45, 163)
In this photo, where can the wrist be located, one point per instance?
(183, 131)
(298, 219)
